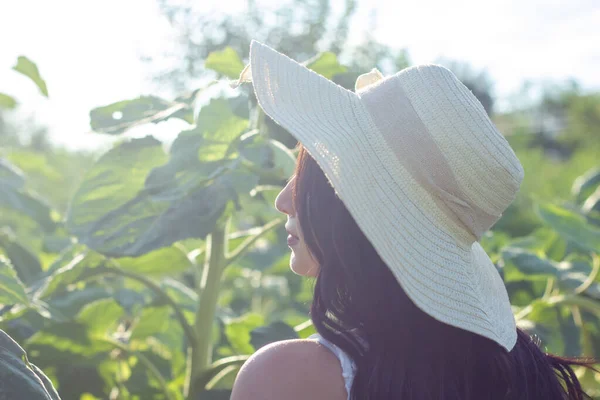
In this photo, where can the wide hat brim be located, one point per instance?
(454, 283)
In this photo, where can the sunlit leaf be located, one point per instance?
(19, 379)
(571, 226)
(12, 290)
(226, 62)
(153, 320)
(166, 261)
(586, 184)
(100, 316)
(69, 273)
(25, 262)
(326, 64)
(28, 204)
(7, 102)
(66, 342)
(28, 68)
(238, 332)
(70, 303)
(570, 275)
(11, 175)
(592, 203)
(117, 118)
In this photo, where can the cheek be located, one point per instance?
(302, 263)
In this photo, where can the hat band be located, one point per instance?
(414, 147)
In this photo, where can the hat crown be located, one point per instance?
(464, 161)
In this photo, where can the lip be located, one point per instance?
(292, 240)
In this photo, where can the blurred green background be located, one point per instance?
(140, 254)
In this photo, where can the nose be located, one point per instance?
(284, 202)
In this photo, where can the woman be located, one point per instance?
(395, 184)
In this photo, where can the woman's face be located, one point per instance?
(301, 261)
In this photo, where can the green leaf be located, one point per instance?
(70, 303)
(531, 264)
(166, 261)
(571, 225)
(12, 290)
(238, 332)
(178, 200)
(569, 274)
(19, 379)
(592, 203)
(28, 68)
(66, 342)
(326, 64)
(28, 204)
(274, 332)
(100, 316)
(226, 62)
(11, 175)
(119, 117)
(70, 273)
(26, 263)
(7, 102)
(586, 184)
(153, 320)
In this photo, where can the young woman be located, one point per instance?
(394, 186)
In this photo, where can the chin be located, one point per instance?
(303, 265)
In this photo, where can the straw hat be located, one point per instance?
(421, 168)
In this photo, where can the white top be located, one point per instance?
(348, 366)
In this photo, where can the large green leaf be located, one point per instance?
(592, 203)
(7, 102)
(69, 273)
(326, 64)
(100, 316)
(28, 204)
(66, 342)
(571, 226)
(120, 217)
(11, 175)
(119, 117)
(570, 275)
(28, 68)
(166, 261)
(586, 184)
(226, 62)
(12, 290)
(274, 161)
(70, 303)
(238, 332)
(200, 153)
(26, 263)
(19, 379)
(152, 321)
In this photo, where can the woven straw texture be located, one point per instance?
(424, 228)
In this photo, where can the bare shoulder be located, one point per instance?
(291, 369)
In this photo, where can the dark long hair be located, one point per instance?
(400, 351)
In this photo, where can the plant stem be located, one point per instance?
(215, 368)
(215, 261)
(187, 329)
(147, 363)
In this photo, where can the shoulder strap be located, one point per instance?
(348, 366)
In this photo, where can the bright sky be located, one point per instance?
(89, 51)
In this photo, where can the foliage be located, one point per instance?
(18, 377)
(169, 268)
